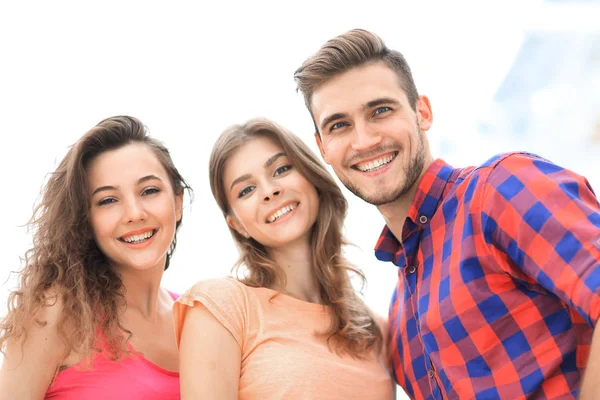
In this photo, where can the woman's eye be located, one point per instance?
(245, 191)
(381, 110)
(338, 125)
(150, 190)
(107, 200)
(282, 169)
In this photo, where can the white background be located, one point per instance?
(190, 69)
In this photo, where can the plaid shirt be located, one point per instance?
(499, 281)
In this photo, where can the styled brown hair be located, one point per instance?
(352, 49)
(353, 326)
(65, 263)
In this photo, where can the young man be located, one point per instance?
(499, 265)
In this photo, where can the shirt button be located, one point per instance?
(423, 219)
(431, 373)
(411, 269)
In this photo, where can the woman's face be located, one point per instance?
(270, 200)
(133, 208)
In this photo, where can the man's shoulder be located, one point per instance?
(503, 163)
(469, 183)
(510, 158)
(521, 169)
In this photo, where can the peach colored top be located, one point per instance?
(282, 358)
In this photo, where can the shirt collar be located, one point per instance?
(427, 197)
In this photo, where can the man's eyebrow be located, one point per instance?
(332, 118)
(370, 104)
(380, 101)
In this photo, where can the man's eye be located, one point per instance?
(245, 191)
(381, 110)
(282, 169)
(338, 125)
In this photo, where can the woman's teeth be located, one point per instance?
(281, 212)
(138, 238)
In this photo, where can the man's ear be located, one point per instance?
(320, 146)
(424, 113)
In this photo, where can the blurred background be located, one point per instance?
(501, 76)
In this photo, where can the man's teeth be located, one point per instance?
(281, 212)
(138, 238)
(372, 165)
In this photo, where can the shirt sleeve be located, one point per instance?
(226, 299)
(545, 221)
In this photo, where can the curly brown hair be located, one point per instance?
(353, 326)
(65, 263)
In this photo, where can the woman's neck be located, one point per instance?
(296, 263)
(142, 289)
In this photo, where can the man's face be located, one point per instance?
(370, 134)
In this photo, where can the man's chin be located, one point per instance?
(379, 200)
(376, 197)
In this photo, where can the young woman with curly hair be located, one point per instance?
(89, 319)
(291, 327)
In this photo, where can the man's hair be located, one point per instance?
(353, 49)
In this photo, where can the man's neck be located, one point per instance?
(395, 213)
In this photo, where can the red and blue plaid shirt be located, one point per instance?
(499, 281)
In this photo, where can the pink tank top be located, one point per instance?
(131, 378)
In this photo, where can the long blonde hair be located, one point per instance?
(353, 326)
